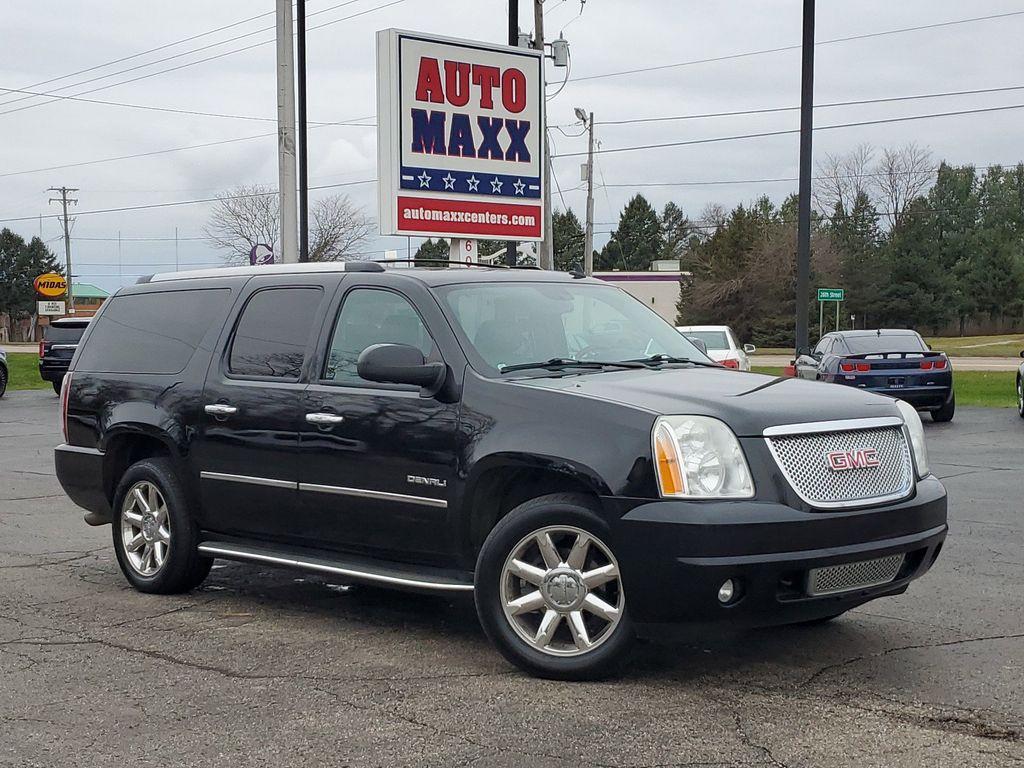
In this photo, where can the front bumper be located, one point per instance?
(675, 555)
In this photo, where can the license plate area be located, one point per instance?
(897, 382)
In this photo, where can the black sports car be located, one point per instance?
(890, 362)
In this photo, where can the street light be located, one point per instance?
(581, 114)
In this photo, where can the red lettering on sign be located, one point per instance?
(456, 83)
(428, 82)
(488, 79)
(513, 90)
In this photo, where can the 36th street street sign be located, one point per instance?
(460, 138)
(831, 294)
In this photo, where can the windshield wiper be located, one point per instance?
(557, 363)
(662, 358)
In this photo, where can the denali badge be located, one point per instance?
(417, 480)
(860, 458)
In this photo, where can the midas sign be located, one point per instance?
(460, 132)
(50, 284)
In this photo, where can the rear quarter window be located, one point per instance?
(154, 332)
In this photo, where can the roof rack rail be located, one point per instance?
(447, 263)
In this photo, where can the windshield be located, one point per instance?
(505, 324)
(889, 342)
(712, 339)
(64, 334)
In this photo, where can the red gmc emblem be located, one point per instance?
(861, 458)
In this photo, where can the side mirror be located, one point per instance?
(749, 349)
(400, 364)
(803, 352)
(699, 344)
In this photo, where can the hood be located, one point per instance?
(747, 402)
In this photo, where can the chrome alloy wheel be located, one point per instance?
(561, 591)
(145, 528)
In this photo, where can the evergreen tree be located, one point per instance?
(568, 240)
(431, 251)
(678, 232)
(636, 242)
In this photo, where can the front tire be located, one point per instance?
(1020, 396)
(3, 380)
(155, 538)
(945, 413)
(549, 590)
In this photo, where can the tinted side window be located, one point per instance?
(371, 317)
(271, 336)
(63, 334)
(151, 332)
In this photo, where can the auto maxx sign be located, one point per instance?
(460, 131)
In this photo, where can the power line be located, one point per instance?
(177, 203)
(780, 49)
(769, 110)
(144, 53)
(172, 110)
(192, 63)
(162, 151)
(765, 134)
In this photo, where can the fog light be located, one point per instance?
(726, 591)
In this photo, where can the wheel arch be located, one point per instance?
(128, 444)
(500, 483)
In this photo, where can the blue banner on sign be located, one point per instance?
(496, 184)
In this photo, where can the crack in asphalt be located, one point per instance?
(747, 740)
(945, 644)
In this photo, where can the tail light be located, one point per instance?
(851, 367)
(940, 364)
(42, 349)
(863, 367)
(65, 388)
(730, 363)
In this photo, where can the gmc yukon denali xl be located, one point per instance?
(540, 440)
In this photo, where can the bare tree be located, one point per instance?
(841, 178)
(249, 215)
(337, 230)
(902, 175)
(243, 217)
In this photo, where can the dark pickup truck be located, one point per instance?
(541, 441)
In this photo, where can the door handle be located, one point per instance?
(220, 409)
(324, 419)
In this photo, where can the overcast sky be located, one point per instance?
(45, 39)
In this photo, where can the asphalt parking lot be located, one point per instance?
(266, 667)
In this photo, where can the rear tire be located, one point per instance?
(155, 538)
(57, 385)
(549, 590)
(945, 413)
(1020, 397)
(3, 380)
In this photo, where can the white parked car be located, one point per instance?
(722, 345)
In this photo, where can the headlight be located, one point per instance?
(916, 432)
(699, 457)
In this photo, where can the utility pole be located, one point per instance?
(300, 20)
(588, 247)
(803, 248)
(286, 132)
(513, 40)
(64, 200)
(545, 252)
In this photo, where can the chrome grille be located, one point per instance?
(802, 457)
(864, 573)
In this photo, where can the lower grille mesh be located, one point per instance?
(864, 573)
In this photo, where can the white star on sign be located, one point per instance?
(473, 183)
(424, 179)
(519, 186)
(496, 186)
(449, 181)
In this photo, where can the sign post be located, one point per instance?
(838, 295)
(460, 138)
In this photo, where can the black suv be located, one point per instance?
(542, 441)
(60, 340)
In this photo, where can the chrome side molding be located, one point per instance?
(363, 493)
(242, 553)
(267, 481)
